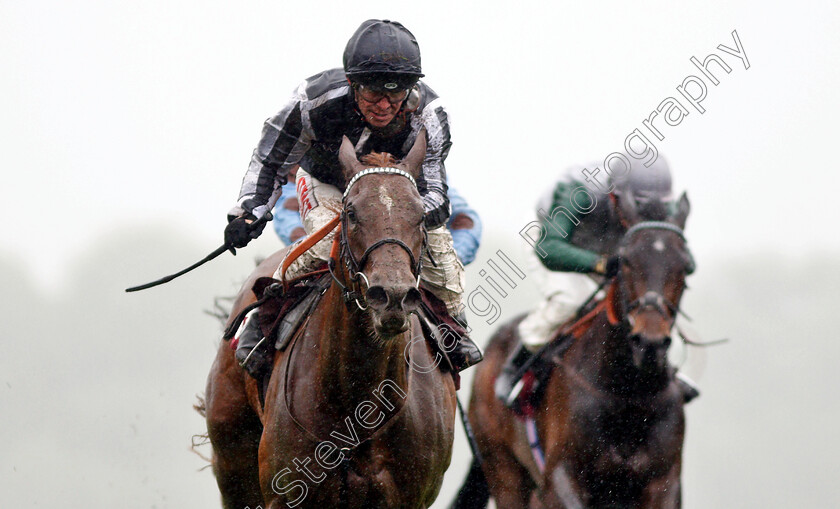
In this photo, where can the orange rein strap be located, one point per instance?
(306, 243)
(608, 305)
(334, 250)
(609, 300)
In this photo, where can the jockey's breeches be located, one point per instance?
(564, 293)
(319, 203)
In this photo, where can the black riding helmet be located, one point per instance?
(383, 54)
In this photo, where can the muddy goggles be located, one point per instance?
(374, 94)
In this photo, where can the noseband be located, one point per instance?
(354, 266)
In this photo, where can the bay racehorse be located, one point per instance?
(610, 424)
(347, 422)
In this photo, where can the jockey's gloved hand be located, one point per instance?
(240, 231)
(613, 266)
(608, 266)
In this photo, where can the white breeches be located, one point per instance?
(320, 202)
(446, 280)
(564, 293)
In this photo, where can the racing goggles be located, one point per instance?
(373, 95)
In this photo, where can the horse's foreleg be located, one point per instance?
(234, 430)
(474, 493)
(561, 490)
(509, 481)
(237, 475)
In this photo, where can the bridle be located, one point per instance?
(650, 299)
(354, 267)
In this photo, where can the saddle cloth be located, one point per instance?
(284, 309)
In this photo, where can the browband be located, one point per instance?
(383, 170)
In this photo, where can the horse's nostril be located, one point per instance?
(412, 300)
(652, 341)
(377, 297)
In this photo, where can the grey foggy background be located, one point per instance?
(126, 129)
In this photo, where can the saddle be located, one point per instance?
(276, 301)
(535, 378)
(284, 308)
(440, 330)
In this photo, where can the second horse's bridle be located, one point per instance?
(650, 299)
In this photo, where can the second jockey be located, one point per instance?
(578, 253)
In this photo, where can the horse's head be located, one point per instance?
(383, 233)
(654, 263)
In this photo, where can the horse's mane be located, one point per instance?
(378, 159)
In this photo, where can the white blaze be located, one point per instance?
(659, 245)
(385, 199)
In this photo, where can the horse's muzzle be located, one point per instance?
(403, 298)
(391, 307)
(650, 352)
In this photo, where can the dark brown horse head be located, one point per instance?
(383, 233)
(655, 262)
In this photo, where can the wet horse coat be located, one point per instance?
(611, 422)
(347, 421)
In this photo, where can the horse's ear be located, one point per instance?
(683, 208)
(627, 213)
(414, 160)
(347, 159)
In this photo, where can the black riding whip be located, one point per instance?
(221, 249)
(468, 431)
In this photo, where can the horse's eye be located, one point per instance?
(351, 216)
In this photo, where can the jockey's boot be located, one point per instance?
(511, 374)
(465, 353)
(689, 388)
(251, 351)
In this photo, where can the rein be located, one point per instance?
(609, 305)
(305, 244)
(341, 249)
(617, 310)
(351, 291)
